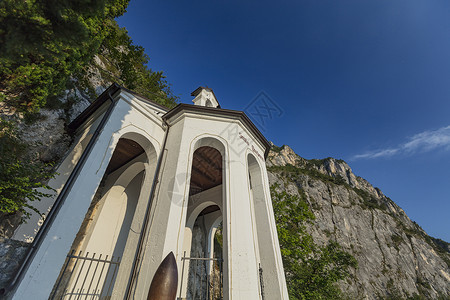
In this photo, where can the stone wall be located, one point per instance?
(12, 253)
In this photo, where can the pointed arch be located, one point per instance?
(107, 225)
(265, 239)
(204, 211)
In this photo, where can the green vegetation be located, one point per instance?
(320, 162)
(126, 64)
(369, 202)
(438, 245)
(47, 47)
(20, 174)
(290, 170)
(311, 270)
(218, 242)
(276, 148)
(397, 240)
(445, 247)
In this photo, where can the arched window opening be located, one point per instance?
(208, 103)
(206, 170)
(91, 267)
(202, 268)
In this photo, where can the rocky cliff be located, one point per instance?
(396, 258)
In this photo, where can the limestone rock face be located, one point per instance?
(47, 136)
(285, 156)
(396, 258)
(11, 254)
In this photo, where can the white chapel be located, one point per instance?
(143, 184)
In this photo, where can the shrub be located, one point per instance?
(311, 270)
(21, 176)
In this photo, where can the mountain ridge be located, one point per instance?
(397, 259)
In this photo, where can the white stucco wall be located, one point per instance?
(131, 118)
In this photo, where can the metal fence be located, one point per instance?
(205, 278)
(261, 281)
(85, 277)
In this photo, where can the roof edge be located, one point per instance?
(220, 111)
(97, 103)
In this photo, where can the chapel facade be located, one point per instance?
(142, 181)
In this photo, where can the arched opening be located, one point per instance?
(92, 266)
(202, 267)
(208, 103)
(266, 252)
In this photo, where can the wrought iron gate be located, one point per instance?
(205, 278)
(85, 277)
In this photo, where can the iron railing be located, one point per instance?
(85, 277)
(261, 281)
(205, 278)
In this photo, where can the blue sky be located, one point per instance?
(364, 81)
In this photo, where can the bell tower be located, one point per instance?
(204, 96)
(146, 181)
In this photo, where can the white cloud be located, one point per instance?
(421, 142)
(428, 140)
(375, 154)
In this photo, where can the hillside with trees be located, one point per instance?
(54, 54)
